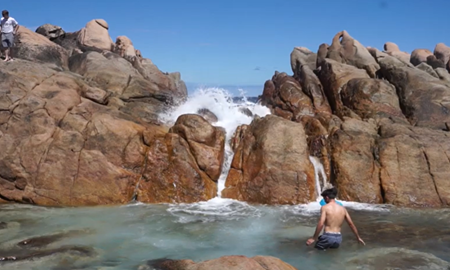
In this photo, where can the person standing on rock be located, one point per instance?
(9, 27)
(332, 215)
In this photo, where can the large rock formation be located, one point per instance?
(387, 138)
(271, 164)
(184, 164)
(79, 131)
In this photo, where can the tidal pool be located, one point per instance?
(125, 237)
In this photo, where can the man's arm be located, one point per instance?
(16, 27)
(319, 227)
(353, 227)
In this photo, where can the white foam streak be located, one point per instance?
(220, 102)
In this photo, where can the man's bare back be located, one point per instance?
(332, 215)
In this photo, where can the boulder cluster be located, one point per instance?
(377, 120)
(79, 126)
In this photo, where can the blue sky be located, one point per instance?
(242, 42)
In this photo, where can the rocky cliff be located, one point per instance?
(79, 126)
(378, 120)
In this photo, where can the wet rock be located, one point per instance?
(396, 258)
(246, 111)
(71, 253)
(223, 263)
(208, 115)
(184, 164)
(43, 241)
(271, 164)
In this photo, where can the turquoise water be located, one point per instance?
(125, 237)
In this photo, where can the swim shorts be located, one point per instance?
(328, 240)
(7, 40)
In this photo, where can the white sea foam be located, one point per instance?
(220, 102)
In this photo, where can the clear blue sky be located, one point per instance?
(242, 42)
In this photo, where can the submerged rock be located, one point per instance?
(396, 258)
(222, 263)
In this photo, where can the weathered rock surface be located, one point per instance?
(223, 263)
(352, 154)
(393, 50)
(415, 166)
(346, 49)
(423, 98)
(284, 95)
(334, 76)
(82, 137)
(372, 98)
(271, 164)
(302, 56)
(397, 164)
(35, 47)
(50, 31)
(184, 164)
(124, 47)
(420, 56)
(95, 35)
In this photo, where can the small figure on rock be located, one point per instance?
(332, 215)
(9, 28)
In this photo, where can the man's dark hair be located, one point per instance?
(5, 13)
(330, 193)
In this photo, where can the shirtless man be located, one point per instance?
(332, 216)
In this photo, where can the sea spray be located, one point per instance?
(229, 114)
(318, 172)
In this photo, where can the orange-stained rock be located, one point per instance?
(372, 98)
(235, 262)
(353, 147)
(183, 165)
(206, 142)
(271, 164)
(415, 168)
(62, 146)
(285, 97)
(334, 76)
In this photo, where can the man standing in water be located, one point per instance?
(9, 28)
(332, 216)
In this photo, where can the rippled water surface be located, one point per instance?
(126, 237)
